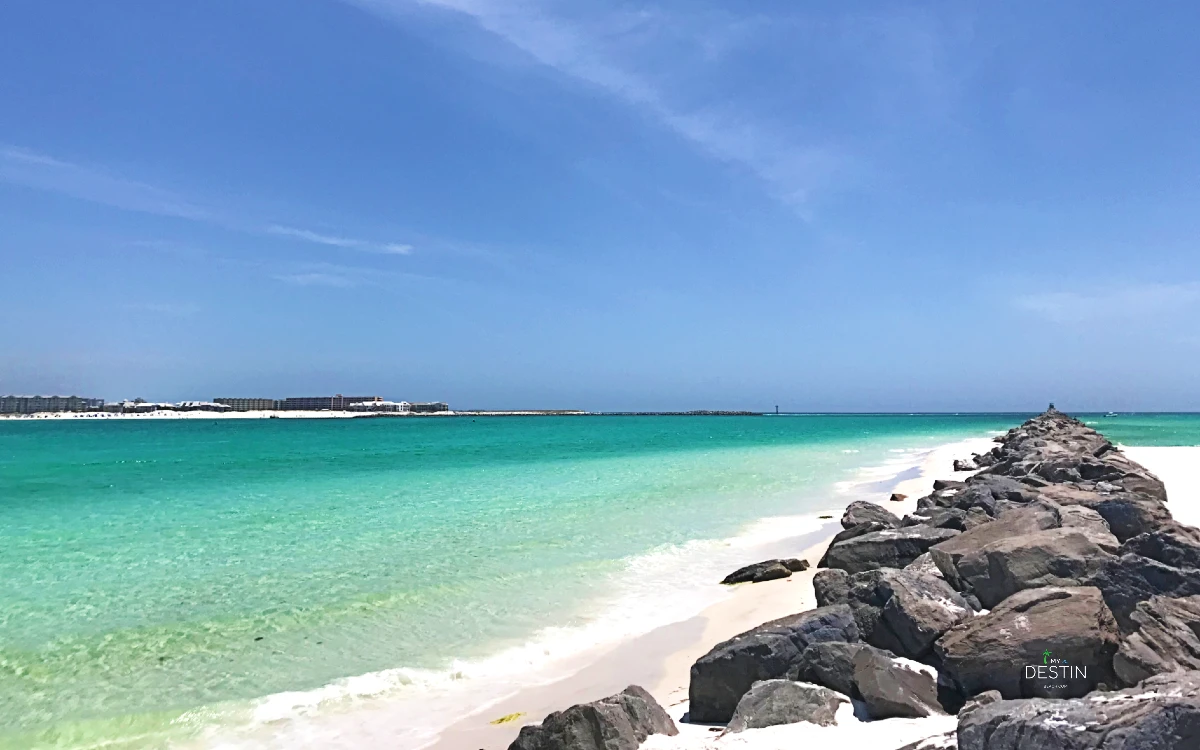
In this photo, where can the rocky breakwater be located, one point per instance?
(1050, 599)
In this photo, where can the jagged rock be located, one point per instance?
(722, 676)
(904, 611)
(996, 650)
(965, 464)
(1051, 557)
(845, 534)
(860, 511)
(1129, 579)
(1163, 713)
(831, 664)
(941, 518)
(897, 497)
(831, 586)
(895, 687)
(1127, 514)
(890, 548)
(947, 484)
(1174, 544)
(1091, 523)
(1167, 639)
(1016, 523)
(772, 702)
(768, 570)
(618, 722)
(925, 566)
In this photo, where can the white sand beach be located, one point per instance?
(1179, 469)
(661, 660)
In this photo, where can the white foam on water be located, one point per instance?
(408, 708)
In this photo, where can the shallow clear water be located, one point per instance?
(155, 574)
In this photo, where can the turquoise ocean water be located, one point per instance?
(160, 579)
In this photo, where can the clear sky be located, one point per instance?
(529, 203)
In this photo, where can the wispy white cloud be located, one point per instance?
(28, 168)
(1108, 303)
(386, 248)
(595, 53)
(346, 277)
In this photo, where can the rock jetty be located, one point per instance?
(1049, 600)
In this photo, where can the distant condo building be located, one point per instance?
(250, 404)
(36, 404)
(325, 403)
(398, 407)
(332, 403)
(428, 407)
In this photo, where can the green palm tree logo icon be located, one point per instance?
(1046, 656)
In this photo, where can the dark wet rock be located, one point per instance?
(890, 548)
(831, 586)
(892, 688)
(904, 611)
(1174, 544)
(1017, 523)
(773, 702)
(1167, 639)
(1129, 579)
(846, 534)
(1163, 713)
(965, 464)
(941, 518)
(618, 722)
(1051, 557)
(996, 651)
(722, 676)
(768, 570)
(897, 497)
(860, 511)
(831, 664)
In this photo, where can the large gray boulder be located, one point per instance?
(831, 586)
(1129, 579)
(895, 688)
(1174, 544)
(1012, 648)
(1128, 514)
(831, 664)
(854, 531)
(890, 548)
(1091, 524)
(947, 554)
(860, 511)
(618, 722)
(1167, 639)
(1163, 713)
(772, 702)
(1051, 557)
(904, 611)
(721, 677)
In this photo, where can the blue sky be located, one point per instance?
(825, 206)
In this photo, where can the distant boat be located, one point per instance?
(1111, 414)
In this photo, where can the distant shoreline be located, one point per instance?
(298, 414)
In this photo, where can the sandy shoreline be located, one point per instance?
(661, 660)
